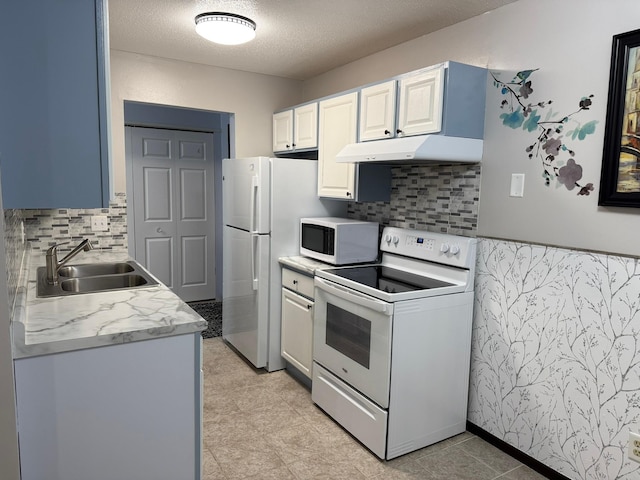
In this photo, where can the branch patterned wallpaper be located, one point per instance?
(555, 367)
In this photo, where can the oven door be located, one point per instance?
(352, 338)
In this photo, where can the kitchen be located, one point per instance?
(571, 46)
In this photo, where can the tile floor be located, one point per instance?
(260, 425)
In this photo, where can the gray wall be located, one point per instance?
(555, 330)
(570, 43)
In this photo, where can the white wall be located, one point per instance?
(251, 97)
(570, 43)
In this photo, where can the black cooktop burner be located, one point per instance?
(388, 279)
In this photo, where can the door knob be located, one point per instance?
(399, 132)
(387, 132)
(159, 230)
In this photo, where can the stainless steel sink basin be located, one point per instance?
(99, 284)
(93, 269)
(93, 278)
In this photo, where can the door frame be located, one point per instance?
(220, 124)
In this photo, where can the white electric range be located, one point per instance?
(392, 341)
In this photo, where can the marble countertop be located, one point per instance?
(303, 264)
(42, 326)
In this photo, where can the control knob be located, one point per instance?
(395, 240)
(455, 249)
(444, 248)
(387, 238)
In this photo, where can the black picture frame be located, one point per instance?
(620, 178)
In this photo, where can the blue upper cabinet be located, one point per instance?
(54, 150)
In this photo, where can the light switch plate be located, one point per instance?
(517, 185)
(99, 223)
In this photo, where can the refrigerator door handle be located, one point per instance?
(252, 215)
(254, 254)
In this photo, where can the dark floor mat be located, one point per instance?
(211, 311)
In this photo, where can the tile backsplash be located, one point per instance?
(14, 251)
(437, 198)
(45, 228)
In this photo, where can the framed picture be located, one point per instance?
(620, 181)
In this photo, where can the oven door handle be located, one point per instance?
(354, 297)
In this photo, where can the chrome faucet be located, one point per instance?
(52, 259)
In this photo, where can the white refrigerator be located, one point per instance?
(263, 201)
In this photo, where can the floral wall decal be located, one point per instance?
(553, 132)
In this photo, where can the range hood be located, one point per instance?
(414, 150)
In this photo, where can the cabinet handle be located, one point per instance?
(399, 132)
(309, 307)
(348, 194)
(387, 132)
(293, 145)
(288, 146)
(295, 282)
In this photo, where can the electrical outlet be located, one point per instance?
(634, 446)
(99, 223)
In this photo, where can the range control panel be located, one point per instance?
(452, 250)
(421, 242)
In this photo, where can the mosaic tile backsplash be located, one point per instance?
(14, 251)
(437, 198)
(45, 228)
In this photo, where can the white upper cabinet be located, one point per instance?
(305, 131)
(296, 129)
(346, 181)
(378, 111)
(283, 131)
(338, 118)
(420, 103)
(411, 106)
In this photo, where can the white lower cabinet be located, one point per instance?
(297, 327)
(115, 412)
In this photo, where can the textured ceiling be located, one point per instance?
(294, 38)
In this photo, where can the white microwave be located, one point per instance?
(339, 241)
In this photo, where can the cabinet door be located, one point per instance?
(306, 126)
(420, 103)
(121, 391)
(337, 128)
(54, 118)
(297, 331)
(377, 111)
(283, 131)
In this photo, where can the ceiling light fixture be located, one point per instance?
(225, 28)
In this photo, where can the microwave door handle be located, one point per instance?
(354, 297)
(252, 207)
(254, 253)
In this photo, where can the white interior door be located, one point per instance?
(173, 209)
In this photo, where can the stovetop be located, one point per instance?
(415, 264)
(387, 279)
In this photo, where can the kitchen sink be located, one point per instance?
(99, 284)
(93, 278)
(94, 269)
